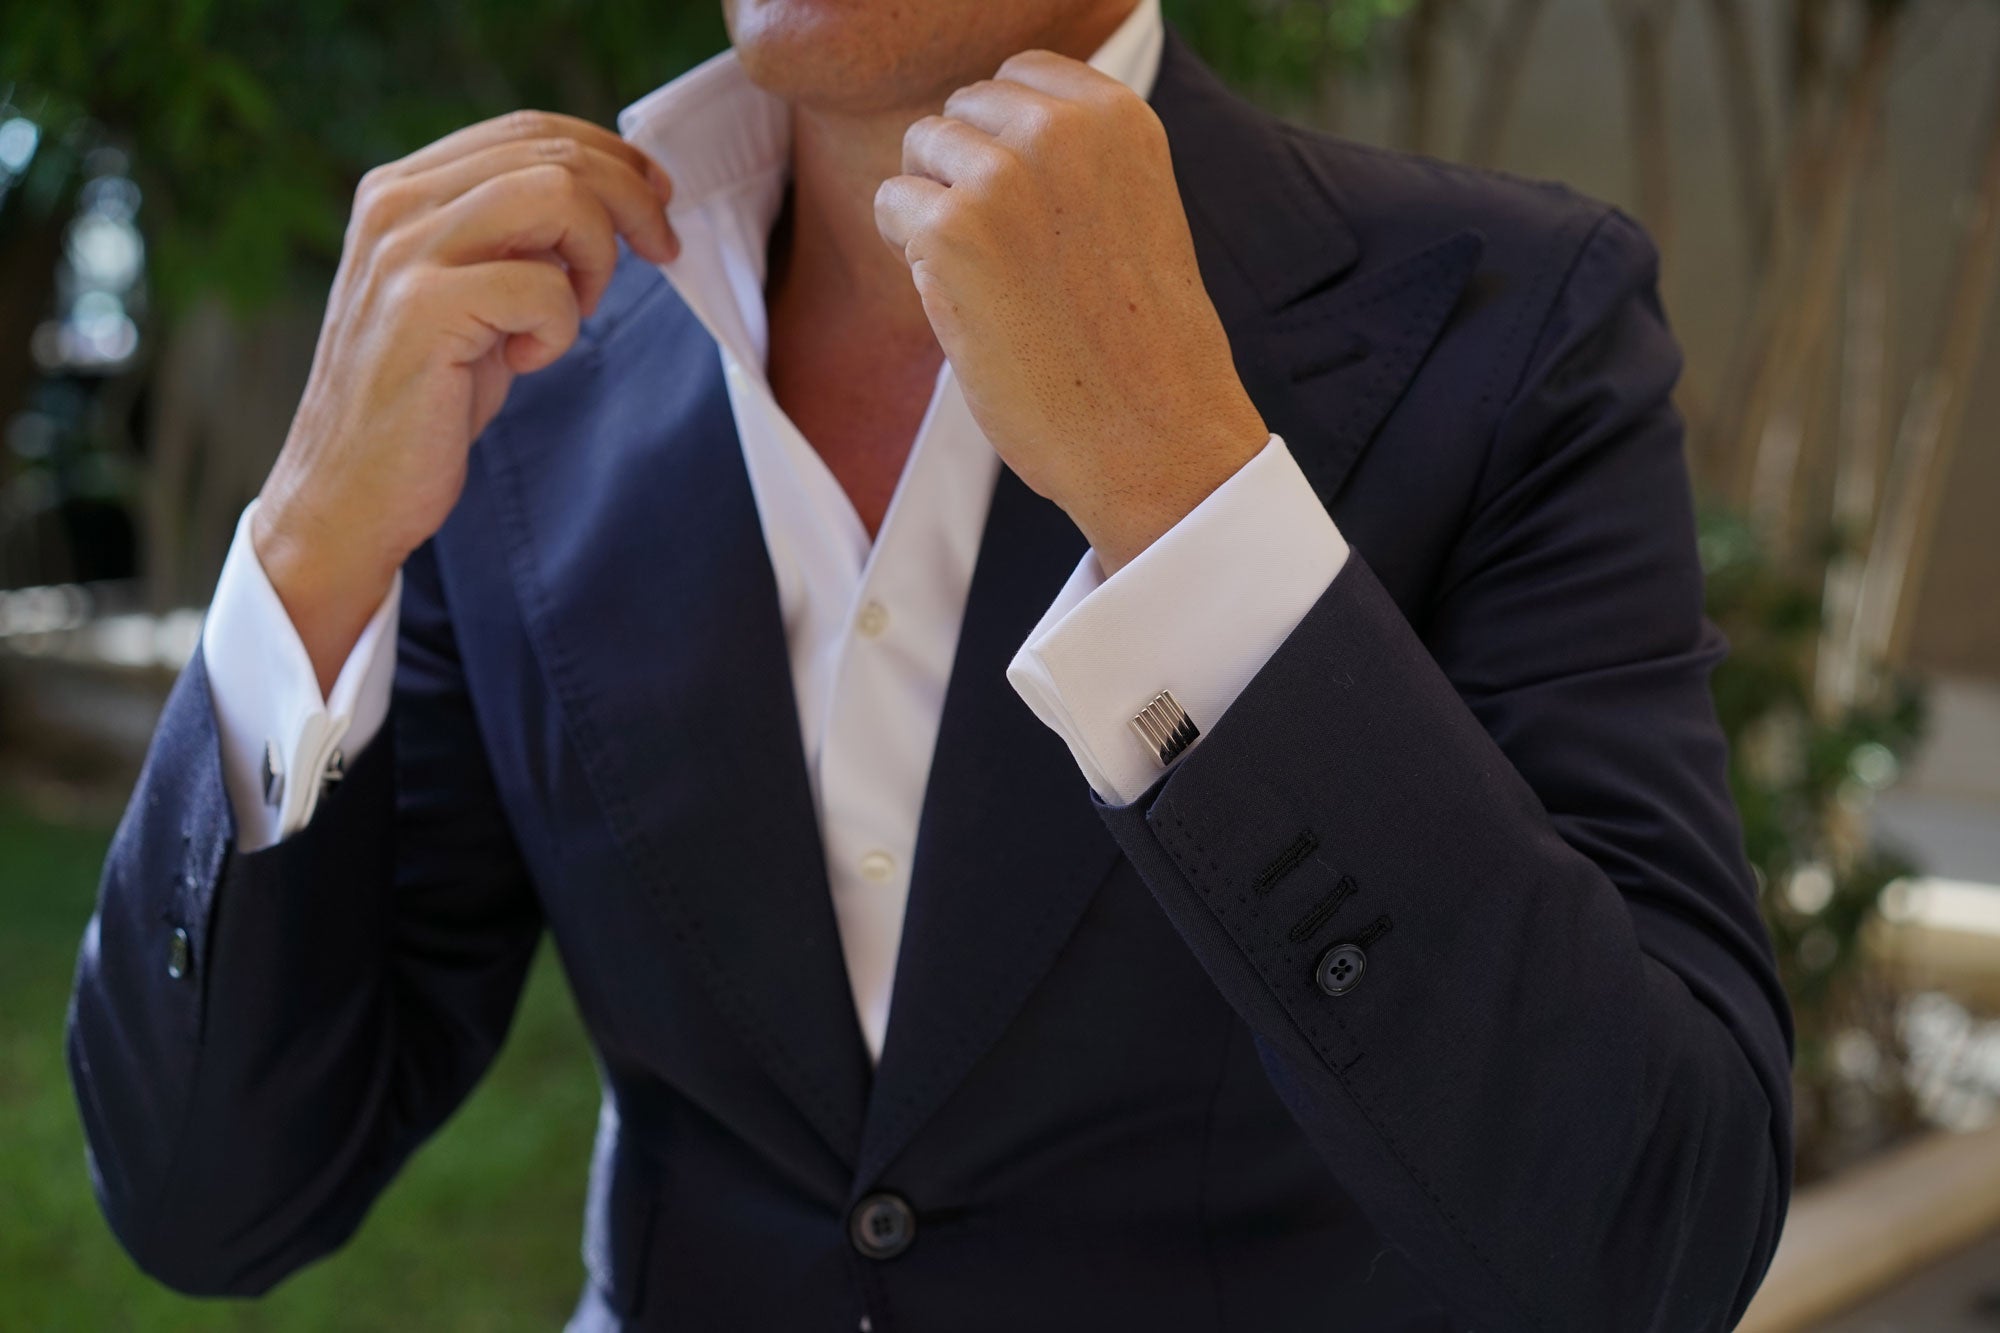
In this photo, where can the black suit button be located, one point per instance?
(1340, 969)
(882, 1226)
(178, 954)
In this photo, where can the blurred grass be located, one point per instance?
(479, 1233)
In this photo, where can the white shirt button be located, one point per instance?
(878, 865)
(874, 618)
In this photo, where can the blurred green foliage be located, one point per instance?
(248, 122)
(1282, 46)
(1804, 776)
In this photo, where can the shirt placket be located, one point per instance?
(888, 693)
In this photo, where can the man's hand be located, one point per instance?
(465, 264)
(1045, 234)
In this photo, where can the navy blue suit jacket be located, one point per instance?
(1112, 1093)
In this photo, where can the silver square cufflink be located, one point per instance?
(1164, 728)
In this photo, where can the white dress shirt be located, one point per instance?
(871, 628)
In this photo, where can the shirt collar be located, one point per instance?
(712, 128)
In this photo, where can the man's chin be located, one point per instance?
(838, 55)
(806, 77)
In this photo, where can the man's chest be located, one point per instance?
(859, 399)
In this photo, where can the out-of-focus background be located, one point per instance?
(1823, 180)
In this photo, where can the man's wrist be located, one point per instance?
(1125, 520)
(329, 593)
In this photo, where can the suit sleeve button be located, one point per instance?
(882, 1226)
(179, 955)
(1340, 969)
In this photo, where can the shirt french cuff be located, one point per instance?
(1196, 614)
(278, 735)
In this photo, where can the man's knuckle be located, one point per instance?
(971, 92)
(926, 133)
(394, 249)
(1115, 96)
(379, 200)
(1004, 171)
(1031, 123)
(527, 123)
(551, 184)
(406, 289)
(1071, 119)
(1023, 60)
(559, 149)
(555, 290)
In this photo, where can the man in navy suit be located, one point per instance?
(1136, 756)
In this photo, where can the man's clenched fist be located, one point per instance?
(1045, 234)
(467, 263)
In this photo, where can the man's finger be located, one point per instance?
(905, 206)
(950, 151)
(1011, 112)
(525, 124)
(529, 303)
(1058, 76)
(534, 209)
(636, 210)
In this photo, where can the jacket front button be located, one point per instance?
(882, 1226)
(1340, 969)
(178, 954)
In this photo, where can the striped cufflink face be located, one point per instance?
(1164, 728)
(273, 775)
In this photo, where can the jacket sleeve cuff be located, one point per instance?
(1195, 614)
(278, 734)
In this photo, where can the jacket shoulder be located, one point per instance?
(1395, 200)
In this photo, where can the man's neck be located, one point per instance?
(830, 251)
(827, 254)
(852, 359)
(851, 356)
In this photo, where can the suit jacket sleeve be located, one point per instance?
(1561, 1085)
(338, 992)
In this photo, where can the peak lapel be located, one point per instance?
(638, 557)
(1326, 338)
(1330, 369)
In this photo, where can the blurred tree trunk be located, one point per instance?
(1758, 419)
(29, 250)
(1643, 29)
(1500, 80)
(1932, 421)
(1807, 65)
(225, 390)
(1421, 36)
(1736, 78)
(1867, 360)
